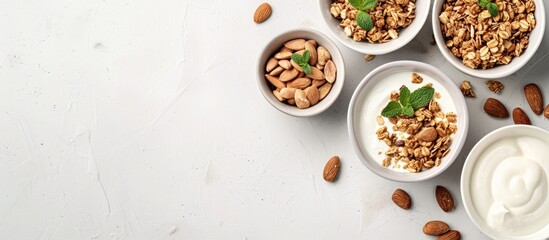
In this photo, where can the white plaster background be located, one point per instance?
(142, 120)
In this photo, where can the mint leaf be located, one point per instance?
(369, 4)
(392, 109)
(307, 69)
(306, 56)
(408, 111)
(364, 20)
(297, 58)
(492, 9)
(363, 4)
(421, 97)
(483, 3)
(404, 95)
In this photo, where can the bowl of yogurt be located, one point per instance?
(405, 156)
(504, 185)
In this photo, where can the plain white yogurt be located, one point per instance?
(509, 186)
(378, 97)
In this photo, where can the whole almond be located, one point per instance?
(301, 99)
(436, 228)
(316, 73)
(427, 134)
(323, 55)
(319, 66)
(285, 49)
(450, 235)
(312, 50)
(534, 98)
(271, 64)
(294, 64)
(289, 74)
(330, 71)
(444, 199)
(277, 71)
(546, 112)
(313, 95)
(318, 82)
(285, 64)
(331, 169)
(278, 95)
(324, 90)
(296, 44)
(520, 117)
(275, 81)
(495, 108)
(262, 13)
(312, 42)
(287, 92)
(300, 83)
(402, 199)
(283, 55)
(291, 101)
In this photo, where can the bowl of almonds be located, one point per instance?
(488, 38)
(301, 72)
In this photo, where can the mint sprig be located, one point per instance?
(408, 102)
(363, 19)
(303, 61)
(490, 6)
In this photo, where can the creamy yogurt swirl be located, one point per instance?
(509, 185)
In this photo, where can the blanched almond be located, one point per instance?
(316, 73)
(324, 90)
(313, 95)
(330, 71)
(271, 64)
(275, 81)
(277, 71)
(296, 44)
(301, 99)
(323, 55)
(278, 95)
(289, 74)
(285, 64)
(312, 49)
(287, 92)
(283, 55)
(318, 82)
(300, 83)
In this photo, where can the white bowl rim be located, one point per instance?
(377, 48)
(332, 96)
(459, 103)
(470, 163)
(503, 70)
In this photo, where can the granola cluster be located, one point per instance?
(419, 142)
(483, 41)
(389, 17)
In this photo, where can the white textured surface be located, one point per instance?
(142, 120)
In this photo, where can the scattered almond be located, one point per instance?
(323, 55)
(450, 235)
(324, 90)
(301, 99)
(312, 49)
(296, 44)
(330, 71)
(300, 83)
(402, 199)
(271, 64)
(495, 108)
(520, 117)
(427, 134)
(313, 95)
(331, 169)
(369, 57)
(436, 228)
(316, 73)
(262, 13)
(289, 74)
(534, 98)
(444, 199)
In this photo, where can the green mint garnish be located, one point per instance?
(363, 19)
(490, 6)
(409, 102)
(303, 61)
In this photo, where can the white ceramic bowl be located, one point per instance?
(473, 162)
(404, 36)
(499, 71)
(275, 45)
(372, 95)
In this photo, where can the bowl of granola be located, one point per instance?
(488, 38)
(374, 27)
(407, 121)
